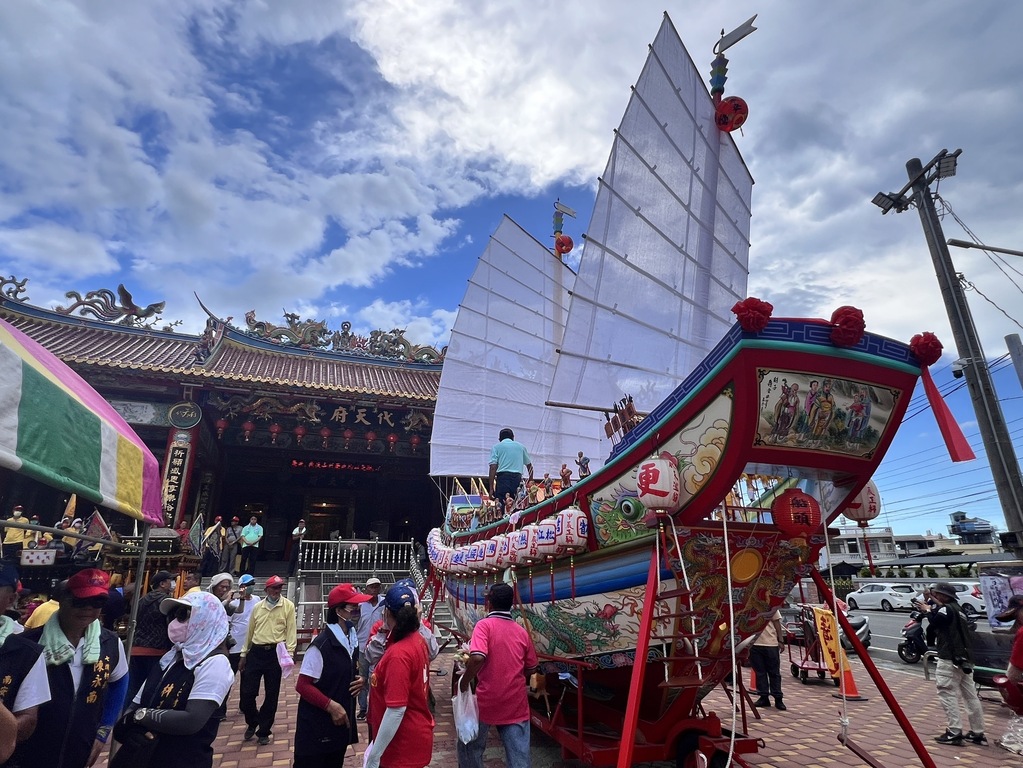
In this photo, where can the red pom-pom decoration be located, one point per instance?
(926, 347)
(563, 244)
(848, 326)
(753, 314)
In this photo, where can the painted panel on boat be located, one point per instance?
(696, 450)
(800, 409)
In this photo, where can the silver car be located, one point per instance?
(887, 597)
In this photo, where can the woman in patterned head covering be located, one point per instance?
(181, 696)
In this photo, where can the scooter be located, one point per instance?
(914, 646)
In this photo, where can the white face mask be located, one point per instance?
(177, 631)
(17, 513)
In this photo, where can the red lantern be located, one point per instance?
(247, 429)
(563, 244)
(864, 508)
(300, 432)
(731, 113)
(325, 434)
(796, 514)
(274, 429)
(222, 424)
(414, 441)
(348, 435)
(370, 437)
(392, 440)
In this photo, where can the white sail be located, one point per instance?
(667, 248)
(500, 361)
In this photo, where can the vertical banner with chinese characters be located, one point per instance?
(831, 649)
(177, 470)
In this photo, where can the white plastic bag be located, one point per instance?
(467, 714)
(284, 659)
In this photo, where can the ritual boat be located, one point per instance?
(728, 445)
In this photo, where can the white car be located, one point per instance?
(971, 599)
(887, 597)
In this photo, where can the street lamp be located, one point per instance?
(1001, 454)
(981, 246)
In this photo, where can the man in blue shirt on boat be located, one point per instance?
(507, 459)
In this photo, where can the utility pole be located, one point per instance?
(1000, 452)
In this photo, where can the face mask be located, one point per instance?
(17, 514)
(177, 632)
(273, 600)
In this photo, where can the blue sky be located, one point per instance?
(347, 161)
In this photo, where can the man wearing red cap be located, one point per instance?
(327, 684)
(88, 676)
(272, 623)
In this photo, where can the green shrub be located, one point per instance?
(931, 573)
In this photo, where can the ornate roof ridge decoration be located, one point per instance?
(102, 305)
(314, 334)
(12, 288)
(265, 407)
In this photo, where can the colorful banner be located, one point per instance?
(58, 430)
(831, 649)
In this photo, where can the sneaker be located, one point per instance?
(263, 741)
(976, 738)
(361, 716)
(948, 737)
(762, 702)
(250, 732)
(779, 704)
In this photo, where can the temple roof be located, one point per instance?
(221, 355)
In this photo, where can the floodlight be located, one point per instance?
(884, 202)
(947, 166)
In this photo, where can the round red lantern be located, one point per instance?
(222, 424)
(247, 429)
(370, 437)
(392, 440)
(347, 435)
(414, 441)
(563, 244)
(731, 113)
(300, 431)
(797, 514)
(325, 434)
(274, 430)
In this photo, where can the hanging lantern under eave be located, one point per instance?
(348, 435)
(325, 436)
(247, 429)
(274, 430)
(392, 440)
(659, 485)
(300, 432)
(414, 441)
(865, 507)
(371, 436)
(222, 424)
(797, 514)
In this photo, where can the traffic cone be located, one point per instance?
(848, 690)
(752, 680)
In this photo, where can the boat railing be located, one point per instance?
(367, 555)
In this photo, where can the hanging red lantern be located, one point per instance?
(300, 431)
(347, 435)
(370, 437)
(414, 441)
(563, 244)
(731, 113)
(222, 424)
(796, 514)
(274, 429)
(392, 440)
(247, 429)
(325, 434)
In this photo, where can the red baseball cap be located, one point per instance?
(91, 582)
(274, 581)
(345, 593)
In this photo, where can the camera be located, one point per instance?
(958, 367)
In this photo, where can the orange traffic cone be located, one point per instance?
(752, 680)
(849, 691)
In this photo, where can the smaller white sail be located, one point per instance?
(500, 362)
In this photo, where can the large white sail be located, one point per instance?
(667, 248)
(500, 361)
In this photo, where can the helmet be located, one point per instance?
(944, 588)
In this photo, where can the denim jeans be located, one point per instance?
(515, 738)
(364, 693)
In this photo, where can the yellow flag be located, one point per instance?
(831, 649)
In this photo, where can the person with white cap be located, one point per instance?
(296, 543)
(328, 683)
(954, 675)
(180, 698)
(371, 613)
(220, 588)
(272, 623)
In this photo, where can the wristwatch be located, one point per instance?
(140, 714)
